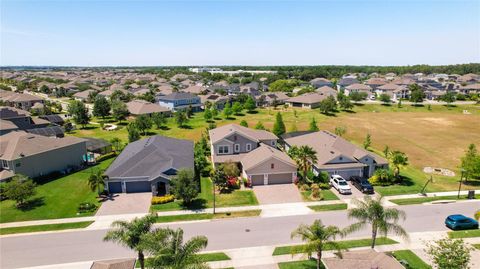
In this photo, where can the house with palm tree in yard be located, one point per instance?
(255, 152)
(335, 155)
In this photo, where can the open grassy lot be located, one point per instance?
(464, 233)
(434, 137)
(421, 200)
(58, 198)
(44, 228)
(341, 206)
(413, 261)
(205, 199)
(284, 250)
(208, 216)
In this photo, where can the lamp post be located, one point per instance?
(460, 182)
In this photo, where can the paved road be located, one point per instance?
(66, 247)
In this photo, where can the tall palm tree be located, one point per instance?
(96, 181)
(398, 159)
(304, 156)
(372, 212)
(131, 234)
(170, 252)
(318, 237)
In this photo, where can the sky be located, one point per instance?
(201, 33)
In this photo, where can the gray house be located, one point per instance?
(148, 165)
(255, 152)
(337, 156)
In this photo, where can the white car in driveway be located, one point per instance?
(340, 184)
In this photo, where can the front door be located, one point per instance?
(161, 189)
(365, 171)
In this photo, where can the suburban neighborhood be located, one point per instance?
(240, 134)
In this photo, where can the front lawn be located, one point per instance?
(308, 264)
(464, 233)
(209, 216)
(205, 199)
(206, 257)
(327, 195)
(284, 250)
(46, 227)
(411, 259)
(58, 198)
(421, 200)
(317, 208)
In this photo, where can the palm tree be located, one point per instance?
(398, 159)
(383, 220)
(304, 156)
(170, 252)
(318, 237)
(131, 234)
(96, 181)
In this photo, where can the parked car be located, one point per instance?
(460, 222)
(362, 184)
(340, 184)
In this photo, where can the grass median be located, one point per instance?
(206, 257)
(413, 261)
(318, 208)
(209, 216)
(45, 228)
(464, 233)
(421, 200)
(285, 250)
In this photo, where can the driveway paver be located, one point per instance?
(125, 203)
(277, 194)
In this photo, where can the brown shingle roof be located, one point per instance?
(128, 263)
(263, 153)
(363, 259)
(308, 98)
(138, 107)
(226, 130)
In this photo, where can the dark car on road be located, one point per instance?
(460, 222)
(362, 184)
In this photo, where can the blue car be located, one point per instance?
(460, 222)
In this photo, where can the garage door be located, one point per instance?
(115, 187)
(257, 180)
(280, 178)
(346, 174)
(138, 186)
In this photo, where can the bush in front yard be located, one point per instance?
(157, 200)
(86, 207)
(106, 156)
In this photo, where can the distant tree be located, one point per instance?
(398, 159)
(278, 126)
(304, 156)
(385, 98)
(143, 123)
(283, 85)
(214, 112)
(19, 189)
(184, 186)
(399, 104)
(368, 141)
(237, 108)
(227, 110)
(313, 125)
(119, 110)
(181, 119)
(189, 111)
(207, 115)
(79, 113)
(416, 94)
(340, 130)
(250, 105)
(470, 163)
(259, 126)
(133, 133)
(450, 253)
(357, 96)
(159, 119)
(244, 123)
(448, 98)
(96, 181)
(328, 105)
(200, 160)
(116, 143)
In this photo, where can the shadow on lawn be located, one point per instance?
(32, 204)
(197, 204)
(471, 182)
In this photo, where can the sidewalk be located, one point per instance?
(268, 210)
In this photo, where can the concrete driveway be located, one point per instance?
(277, 194)
(125, 203)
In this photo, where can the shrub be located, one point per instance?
(158, 200)
(86, 207)
(106, 156)
(233, 183)
(315, 191)
(382, 177)
(324, 186)
(304, 187)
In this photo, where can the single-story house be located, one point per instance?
(148, 165)
(180, 101)
(36, 155)
(19, 100)
(271, 98)
(307, 100)
(139, 107)
(320, 82)
(357, 87)
(84, 95)
(337, 156)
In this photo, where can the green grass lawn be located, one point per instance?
(413, 261)
(205, 199)
(477, 246)
(284, 250)
(44, 228)
(206, 257)
(58, 198)
(327, 195)
(342, 206)
(208, 216)
(464, 233)
(421, 200)
(307, 264)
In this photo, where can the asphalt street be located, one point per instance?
(66, 247)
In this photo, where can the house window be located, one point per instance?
(272, 166)
(4, 164)
(273, 143)
(235, 138)
(222, 149)
(340, 158)
(237, 147)
(249, 147)
(18, 164)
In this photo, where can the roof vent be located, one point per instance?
(332, 152)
